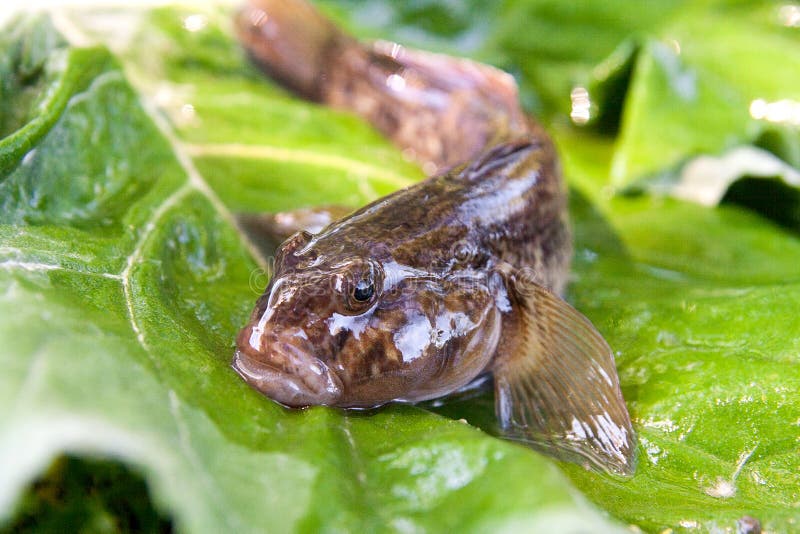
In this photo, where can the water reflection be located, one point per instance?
(789, 15)
(581, 105)
(784, 111)
(195, 23)
(395, 82)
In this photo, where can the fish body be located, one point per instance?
(433, 254)
(419, 293)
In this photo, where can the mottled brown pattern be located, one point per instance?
(408, 297)
(449, 232)
(459, 107)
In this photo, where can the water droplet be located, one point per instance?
(581, 105)
(195, 23)
(722, 489)
(188, 112)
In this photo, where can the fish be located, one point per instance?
(451, 280)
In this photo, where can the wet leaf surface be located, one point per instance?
(123, 281)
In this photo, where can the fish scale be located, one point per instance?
(426, 290)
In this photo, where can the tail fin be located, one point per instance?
(291, 41)
(442, 111)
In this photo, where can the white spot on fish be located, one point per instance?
(395, 82)
(355, 324)
(578, 432)
(502, 301)
(281, 292)
(449, 326)
(414, 338)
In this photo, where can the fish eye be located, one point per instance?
(361, 284)
(363, 290)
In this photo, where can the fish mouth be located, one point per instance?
(286, 373)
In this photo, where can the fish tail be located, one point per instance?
(292, 42)
(441, 111)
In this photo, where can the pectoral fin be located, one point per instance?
(556, 386)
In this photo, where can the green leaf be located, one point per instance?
(123, 284)
(122, 281)
(556, 45)
(747, 176)
(719, 65)
(699, 305)
(552, 45)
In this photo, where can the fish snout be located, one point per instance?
(283, 366)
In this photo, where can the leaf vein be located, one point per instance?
(135, 257)
(29, 266)
(357, 170)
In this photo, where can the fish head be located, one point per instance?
(358, 329)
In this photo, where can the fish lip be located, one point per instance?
(304, 380)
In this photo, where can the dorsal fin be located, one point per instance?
(502, 158)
